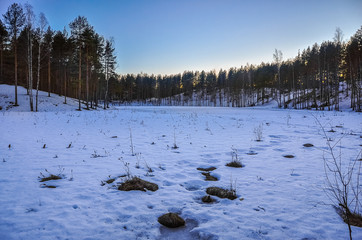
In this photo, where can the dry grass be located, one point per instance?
(354, 219)
(207, 199)
(209, 169)
(136, 183)
(209, 177)
(221, 193)
(235, 164)
(235, 160)
(111, 180)
(171, 220)
(51, 177)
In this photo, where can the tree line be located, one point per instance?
(81, 64)
(317, 78)
(78, 64)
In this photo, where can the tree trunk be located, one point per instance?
(280, 96)
(80, 77)
(30, 71)
(49, 75)
(16, 74)
(38, 80)
(87, 81)
(1, 63)
(106, 75)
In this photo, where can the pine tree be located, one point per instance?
(109, 66)
(14, 19)
(78, 26)
(48, 40)
(3, 40)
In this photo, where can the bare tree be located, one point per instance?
(278, 58)
(29, 26)
(338, 38)
(43, 22)
(343, 183)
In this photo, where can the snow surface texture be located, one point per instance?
(278, 197)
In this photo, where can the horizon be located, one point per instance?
(169, 37)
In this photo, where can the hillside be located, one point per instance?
(46, 104)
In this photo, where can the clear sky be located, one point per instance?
(170, 36)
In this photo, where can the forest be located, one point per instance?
(81, 64)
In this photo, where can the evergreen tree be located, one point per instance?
(48, 40)
(14, 19)
(109, 66)
(3, 40)
(78, 26)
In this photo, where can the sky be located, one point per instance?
(171, 36)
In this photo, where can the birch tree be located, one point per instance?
(278, 58)
(43, 22)
(29, 26)
(338, 38)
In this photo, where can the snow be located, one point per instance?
(278, 198)
(45, 103)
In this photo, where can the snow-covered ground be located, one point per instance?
(278, 197)
(45, 103)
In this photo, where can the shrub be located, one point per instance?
(258, 131)
(235, 160)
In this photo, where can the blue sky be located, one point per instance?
(171, 36)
